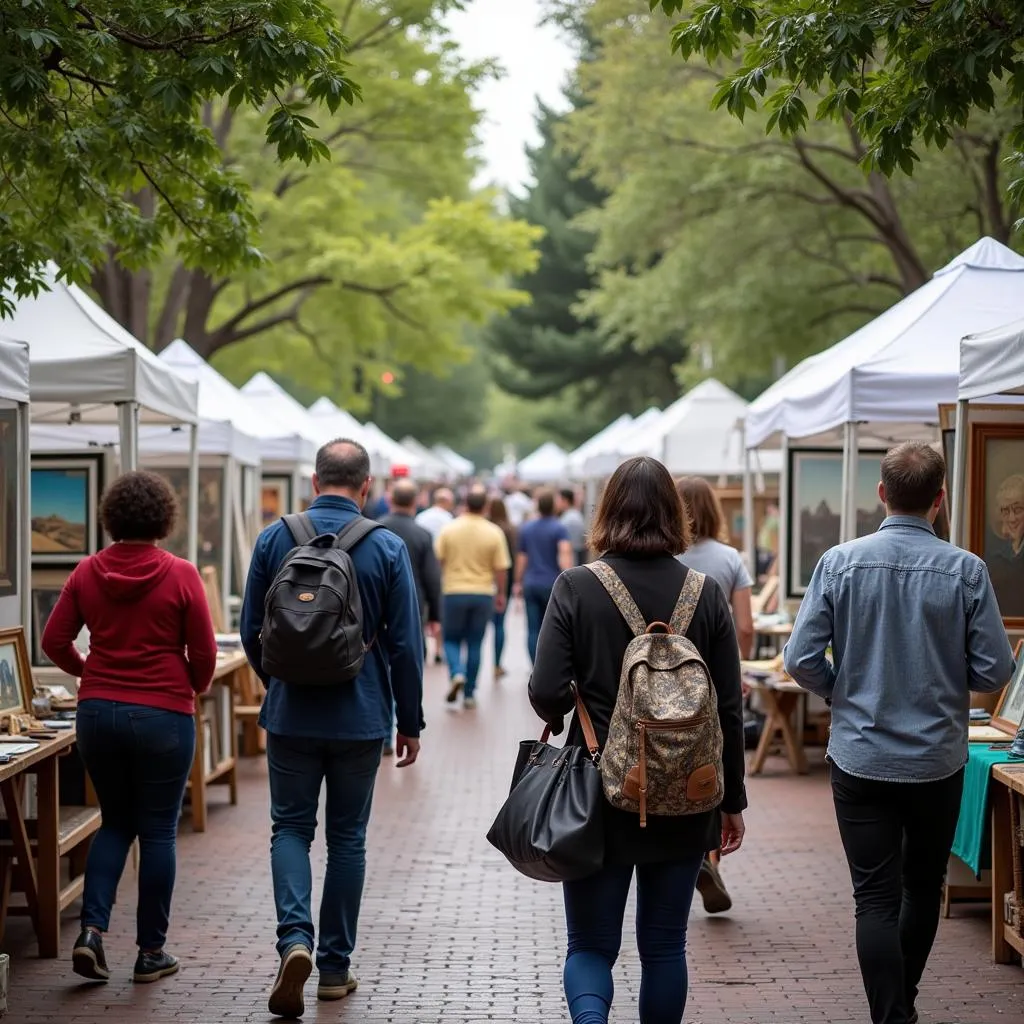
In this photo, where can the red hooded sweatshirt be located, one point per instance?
(150, 634)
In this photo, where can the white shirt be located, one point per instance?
(519, 507)
(434, 520)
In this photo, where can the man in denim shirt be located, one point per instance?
(914, 627)
(334, 733)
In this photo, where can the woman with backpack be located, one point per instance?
(639, 528)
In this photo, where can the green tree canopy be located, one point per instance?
(900, 71)
(101, 101)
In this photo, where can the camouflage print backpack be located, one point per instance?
(663, 755)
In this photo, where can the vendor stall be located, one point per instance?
(549, 464)
(459, 465)
(15, 535)
(332, 422)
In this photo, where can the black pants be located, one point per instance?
(897, 837)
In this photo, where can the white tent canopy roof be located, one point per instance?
(430, 462)
(578, 457)
(616, 446)
(394, 452)
(330, 422)
(83, 361)
(14, 371)
(992, 363)
(271, 400)
(458, 463)
(547, 464)
(894, 372)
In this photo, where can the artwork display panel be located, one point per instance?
(815, 507)
(15, 673)
(996, 507)
(211, 513)
(64, 508)
(8, 502)
(275, 498)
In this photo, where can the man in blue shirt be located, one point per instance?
(336, 734)
(914, 627)
(545, 550)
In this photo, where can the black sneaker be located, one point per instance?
(154, 966)
(88, 959)
(457, 685)
(712, 889)
(286, 996)
(336, 986)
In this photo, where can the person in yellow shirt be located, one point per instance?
(474, 576)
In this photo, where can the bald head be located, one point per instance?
(476, 499)
(342, 467)
(443, 498)
(403, 496)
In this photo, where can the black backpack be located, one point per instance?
(313, 616)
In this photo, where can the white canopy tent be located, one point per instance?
(330, 421)
(617, 446)
(578, 456)
(548, 464)
(460, 465)
(395, 453)
(14, 393)
(431, 463)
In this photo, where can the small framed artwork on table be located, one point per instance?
(15, 673)
(1009, 712)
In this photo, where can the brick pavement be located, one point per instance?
(450, 934)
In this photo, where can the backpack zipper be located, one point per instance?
(645, 725)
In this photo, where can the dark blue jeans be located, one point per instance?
(139, 760)
(499, 636)
(465, 623)
(536, 599)
(594, 909)
(298, 768)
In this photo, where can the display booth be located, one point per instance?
(399, 457)
(549, 464)
(15, 526)
(433, 467)
(332, 422)
(458, 464)
(602, 459)
(834, 415)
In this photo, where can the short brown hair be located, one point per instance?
(139, 506)
(546, 502)
(640, 512)
(913, 475)
(404, 494)
(701, 504)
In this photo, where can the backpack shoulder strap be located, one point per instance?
(300, 526)
(620, 595)
(689, 596)
(354, 532)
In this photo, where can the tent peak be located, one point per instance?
(985, 254)
(323, 406)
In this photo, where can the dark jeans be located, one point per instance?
(897, 837)
(594, 909)
(298, 768)
(465, 623)
(536, 599)
(139, 760)
(499, 635)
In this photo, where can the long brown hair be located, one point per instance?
(497, 512)
(640, 512)
(703, 509)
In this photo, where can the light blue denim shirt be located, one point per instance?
(914, 626)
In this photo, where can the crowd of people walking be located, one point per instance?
(336, 620)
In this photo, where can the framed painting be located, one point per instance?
(815, 507)
(211, 513)
(65, 504)
(15, 673)
(996, 511)
(1009, 712)
(275, 498)
(8, 502)
(44, 600)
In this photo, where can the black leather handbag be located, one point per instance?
(551, 826)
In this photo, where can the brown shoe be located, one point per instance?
(712, 889)
(286, 996)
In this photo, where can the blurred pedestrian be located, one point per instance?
(498, 514)
(572, 520)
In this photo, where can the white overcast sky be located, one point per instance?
(536, 61)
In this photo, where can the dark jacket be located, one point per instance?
(584, 638)
(392, 675)
(425, 569)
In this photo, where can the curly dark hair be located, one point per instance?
(139, 506)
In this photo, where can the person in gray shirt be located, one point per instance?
(914, 628)
(572, 520)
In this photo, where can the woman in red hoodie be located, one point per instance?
(151, 650)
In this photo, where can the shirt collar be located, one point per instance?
(334, 501)
(916, 522)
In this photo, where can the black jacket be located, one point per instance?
(584, 638)
(425, 568)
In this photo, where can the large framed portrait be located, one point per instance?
(65, 504)
(1009, 712)
(996, 507)
(8, 502)
(211, 513)
(275, 497)
(815, 507)
(15, 673)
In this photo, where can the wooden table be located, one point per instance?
(1007, 860)
(781, 697)
(217, 706)
(775, 633)
(58, 831)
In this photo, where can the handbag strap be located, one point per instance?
(589, 736)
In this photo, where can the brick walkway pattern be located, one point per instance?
(451, 935)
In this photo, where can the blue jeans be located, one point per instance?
(594, 909)
(536, 599)
(139, 759)
(298, 768)
(465, 623)
(499, 636)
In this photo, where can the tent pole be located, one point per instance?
(848, 512)
(749, 542)
(958, 499)
(128, 428)
(24, 514)
(227, 502)
(192, 512)
(785, 576)
(844, 489)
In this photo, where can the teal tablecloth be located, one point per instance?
(972, 830)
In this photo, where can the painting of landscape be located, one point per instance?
(63, 510)
(816, 484)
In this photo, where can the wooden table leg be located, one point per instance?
(22, 849)
(198, 789)
(48, 857)
(794, 744)
(233, 746)
(1002, 871)
(767, 732)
